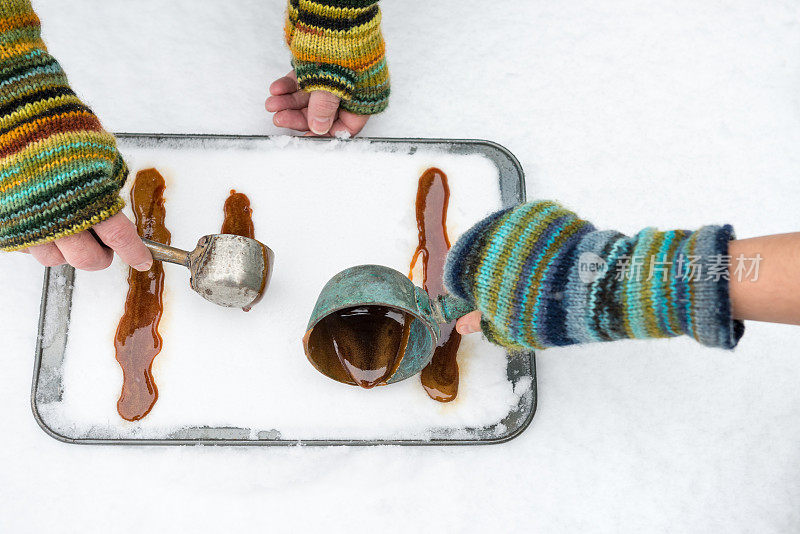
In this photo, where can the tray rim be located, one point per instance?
(514, 162)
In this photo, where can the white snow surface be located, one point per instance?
(671, 113)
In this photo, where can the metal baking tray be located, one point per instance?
(54, 319)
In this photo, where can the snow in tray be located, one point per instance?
(321, 207)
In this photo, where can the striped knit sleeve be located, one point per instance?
(337, 46)
(543, 277)
(60, 172)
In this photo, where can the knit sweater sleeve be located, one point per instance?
(543, 277)
(60, 172)
(337, 46)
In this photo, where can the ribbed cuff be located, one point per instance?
(365, 93)
(706, 309)
(90, 214)
(372, 91)
(338, 80)
(52, 206)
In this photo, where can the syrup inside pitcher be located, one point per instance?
(361, 345)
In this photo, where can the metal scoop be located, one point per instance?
(229, 270)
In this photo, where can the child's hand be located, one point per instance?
(317, 112)
(84, 251)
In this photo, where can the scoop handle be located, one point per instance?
(450, 308)
(167, 253)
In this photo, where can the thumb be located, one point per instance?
(322, 107)
(469, 324)
(119, 233)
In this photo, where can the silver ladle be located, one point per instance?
(228, 270)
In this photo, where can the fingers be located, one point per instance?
(317, 112)
(120, 234)
(296, 100)
(82, 251)
(322, 108)
(47, 254)
(291, 118)
(349, 122)
(285, 85)
(469, 324)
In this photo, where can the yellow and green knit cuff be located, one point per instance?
(10, 8)
(59, 186)
(337, 46)
(60, 172)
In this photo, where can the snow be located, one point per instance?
(225, 368)
(669, 113)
